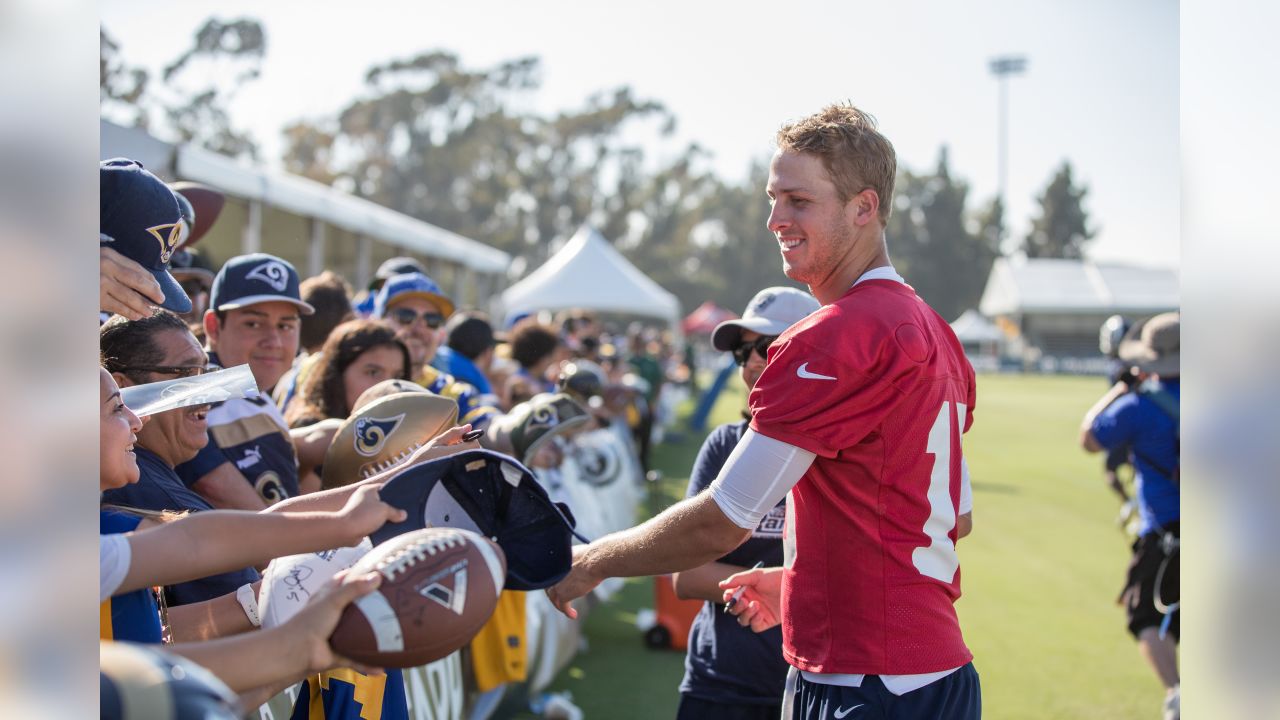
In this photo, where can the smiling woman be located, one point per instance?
(157, 348)
(118, 427)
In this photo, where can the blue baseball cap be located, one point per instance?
(251, 279)
(493, 495)
(411, 285)
(140, 219)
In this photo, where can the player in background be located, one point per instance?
(729, 671)
(1142, 415)
(858, 415)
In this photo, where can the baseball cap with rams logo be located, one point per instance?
(140, 219)
(257, 278)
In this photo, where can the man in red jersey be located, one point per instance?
(858, 415)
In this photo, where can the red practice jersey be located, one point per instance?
(878, 387)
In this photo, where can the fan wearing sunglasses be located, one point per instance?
(416, 308)
(731, 672)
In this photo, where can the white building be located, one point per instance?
(311, 225)
(1050, 310)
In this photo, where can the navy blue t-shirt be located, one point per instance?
(158, 488)
(727, 662)
(1136, 421)
(250, 433)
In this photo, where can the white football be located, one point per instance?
(290, 581)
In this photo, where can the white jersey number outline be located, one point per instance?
(938, 559)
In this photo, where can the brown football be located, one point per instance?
(439, 587)
(383, 433)
(207, 204)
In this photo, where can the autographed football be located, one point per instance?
(439, 587)
(289, 582)
(383, 433)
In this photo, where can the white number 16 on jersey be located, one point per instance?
(938, 559)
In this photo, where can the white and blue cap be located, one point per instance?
(251, 279)
(410, 285)
(770, 312)
(140, 219)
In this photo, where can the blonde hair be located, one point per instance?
(852, 150)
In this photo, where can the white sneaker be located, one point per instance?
(1171, 703)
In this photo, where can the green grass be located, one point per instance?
(1040, 572)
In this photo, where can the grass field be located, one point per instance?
(1040, 573)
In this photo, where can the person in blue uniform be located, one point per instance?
(1143, 415)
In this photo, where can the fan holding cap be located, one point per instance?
(139, 227)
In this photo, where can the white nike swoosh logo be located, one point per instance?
(840, 712)
(803, 372)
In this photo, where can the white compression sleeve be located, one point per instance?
(966, 490)
(114, 555)
(758, 474)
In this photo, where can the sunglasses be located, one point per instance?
(405, 316)
(182, 371)
(761, 346)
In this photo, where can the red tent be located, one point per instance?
(703, 320)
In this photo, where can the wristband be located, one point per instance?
(249, 601)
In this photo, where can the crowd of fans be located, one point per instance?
(196, 500)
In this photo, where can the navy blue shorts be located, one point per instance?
(692, 708)
(957, 696)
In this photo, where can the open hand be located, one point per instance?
(316, 621)
(577, 583)
(365, 512)
(446, 443)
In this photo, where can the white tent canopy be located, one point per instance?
(972, 327)
(588, 273)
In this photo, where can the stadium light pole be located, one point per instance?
(1002, 67)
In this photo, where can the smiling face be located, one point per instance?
(118, 428)
(422, 340)
(374, 365)
(265, 335)
(821, 238)
(177, 435)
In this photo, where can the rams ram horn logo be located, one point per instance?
(273, 273)
(168, 235)
(372, 432)
(544, 416)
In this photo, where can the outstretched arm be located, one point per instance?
(685, 535)
(205, 543)
(289, 652)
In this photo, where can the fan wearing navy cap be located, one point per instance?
(417, 308)
(254, 317)
(731, 672)
(140, 226)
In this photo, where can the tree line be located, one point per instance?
(449, 144)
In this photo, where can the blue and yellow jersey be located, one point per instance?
(345, 694)
(133, 616)
(499, 654)
(472, 407)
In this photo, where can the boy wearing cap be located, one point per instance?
(1142, 414)
(415, 306)
(254, 317)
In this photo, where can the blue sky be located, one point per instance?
(1101, 87)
